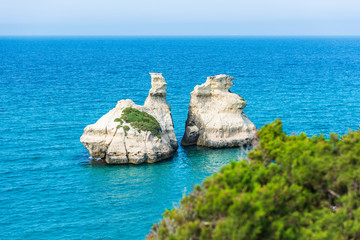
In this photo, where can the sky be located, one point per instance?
(174, 17)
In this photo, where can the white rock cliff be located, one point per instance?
(216, 117)
(127, 144)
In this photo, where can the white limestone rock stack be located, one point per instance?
(216, 118)
(126, 144)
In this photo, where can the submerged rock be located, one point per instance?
(216, 117)
(131, 133)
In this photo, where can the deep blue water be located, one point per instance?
(51, 88)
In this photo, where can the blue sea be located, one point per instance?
(52, 87)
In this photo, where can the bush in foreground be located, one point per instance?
(291, 187)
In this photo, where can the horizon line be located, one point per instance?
(180, 35)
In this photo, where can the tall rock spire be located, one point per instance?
(131, 133)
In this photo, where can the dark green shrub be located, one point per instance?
(290, 187)
(119, 120)
(141, 121)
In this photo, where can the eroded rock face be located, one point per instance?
(216, 117)
(120, 143)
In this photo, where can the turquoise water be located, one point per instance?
(51, 88)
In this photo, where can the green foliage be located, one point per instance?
(291, 187)
(119, 120)
(139, 120)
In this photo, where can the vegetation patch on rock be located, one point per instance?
(290, 187)
(119, 120)
(139, 120)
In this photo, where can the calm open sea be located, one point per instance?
(51, 88)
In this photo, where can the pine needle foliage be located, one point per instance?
(291, 187)
(140, 120)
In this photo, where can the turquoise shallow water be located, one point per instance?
(51, 88)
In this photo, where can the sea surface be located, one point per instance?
(52, 87)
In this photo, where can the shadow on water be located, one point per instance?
(205, 161)
(190, 156)
(189, 164)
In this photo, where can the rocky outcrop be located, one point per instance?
(216, 117)
(131, 133)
